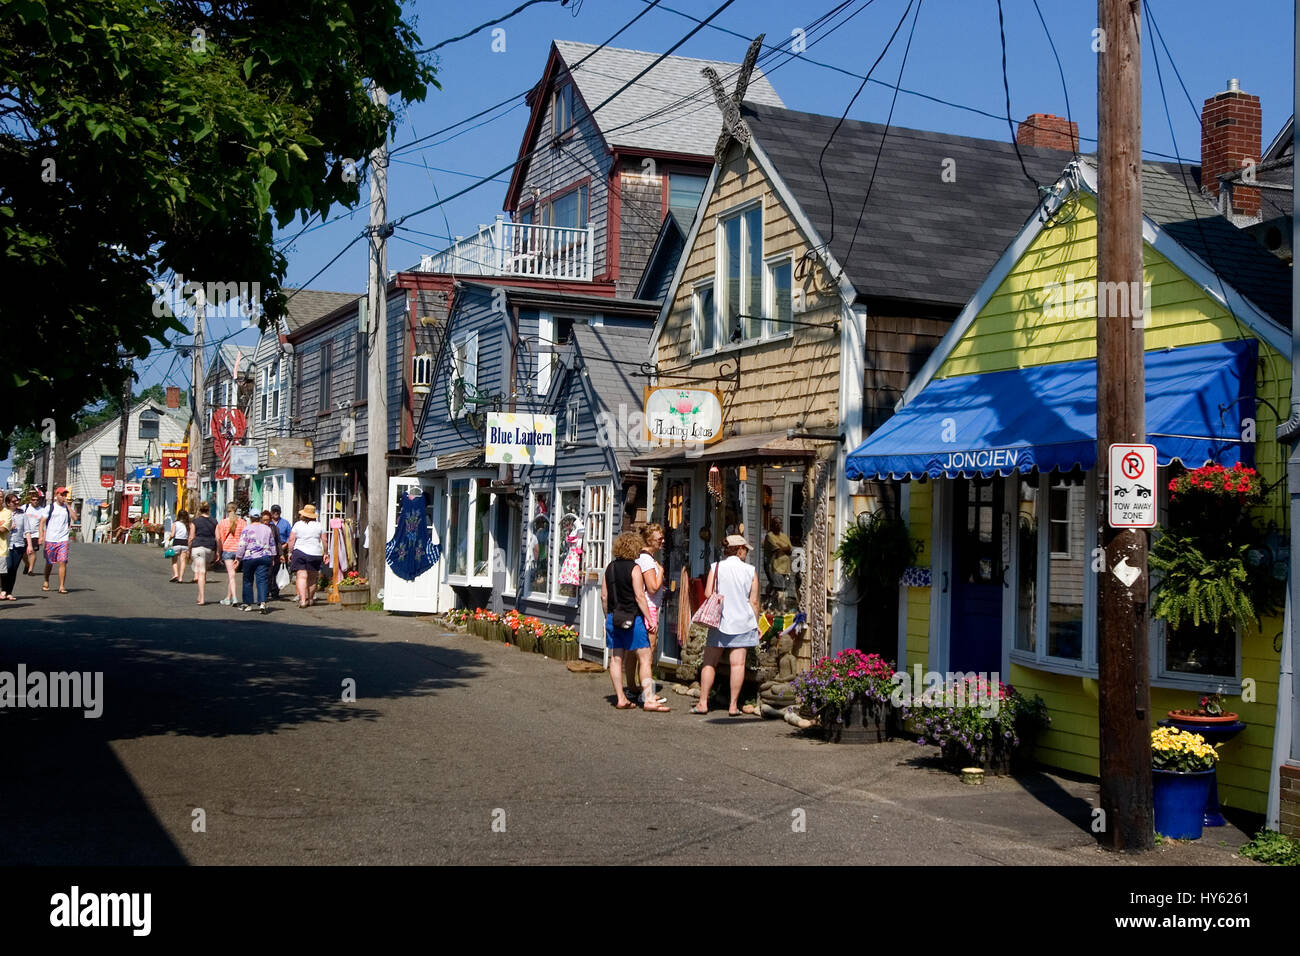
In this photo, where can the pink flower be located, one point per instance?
(684, 406)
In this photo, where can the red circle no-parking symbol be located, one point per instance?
(1132, 466)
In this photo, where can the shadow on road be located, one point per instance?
(66, 798)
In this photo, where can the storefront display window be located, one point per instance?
(539, 540)
(570, 506)
(1066, 522)
(1027, 576)
(458, 527)
(482, 528)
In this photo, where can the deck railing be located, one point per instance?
(519, 249)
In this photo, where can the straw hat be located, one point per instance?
(736, 541)
(308, 511)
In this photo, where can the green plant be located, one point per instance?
(1198, 587)
(974, 722)
(374, 606)
(353, 581)
(828, 689)
(1272, 848)
(875, 550)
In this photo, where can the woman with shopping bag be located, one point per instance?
(730, 609)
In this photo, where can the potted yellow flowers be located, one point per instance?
(1182, 765)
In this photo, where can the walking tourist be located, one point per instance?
(652, 573)
(181, 533)
(255, 549)
(32, 531)
(737, 582)
(282, 530)
(306, 549)
(229, 530)
(55, 530)
(11, 545)
(623, 597)
(203, 546)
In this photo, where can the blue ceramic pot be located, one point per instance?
(1180, 802)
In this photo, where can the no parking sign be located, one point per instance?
(1132, 486)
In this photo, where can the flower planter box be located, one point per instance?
(1180, 802)
(864, 724)
(526, 641)
(354, 599)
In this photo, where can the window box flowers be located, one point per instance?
(975, 723)
(849, 696)
(1182, 769)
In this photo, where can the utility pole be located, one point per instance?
(119, 473)
(376, 340)
(1124, 743)
(194, 464)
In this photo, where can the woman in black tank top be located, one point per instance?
(622, 594)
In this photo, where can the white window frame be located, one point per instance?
(572, 413)
(697, 318)
(721, 304)
(545, 340)
(771, 330)
(465, 367)
(533, 491)
(470, 579)
(262, 398)
(1038, 658)
(557, 523)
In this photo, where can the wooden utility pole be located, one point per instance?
(119, 473)
(376, 340)
(194, 464)
(1124, 742)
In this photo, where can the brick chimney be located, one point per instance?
(1231, 134)
(173, 396)
(1049, 130)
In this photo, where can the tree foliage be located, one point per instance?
(142, 139)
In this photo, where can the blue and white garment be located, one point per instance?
(412, 550)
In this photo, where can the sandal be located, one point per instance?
(696, 710)
(45, 587)
(626, 705)
(63, 590)
(656, 709)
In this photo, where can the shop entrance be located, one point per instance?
(595, 555)
(978, 575)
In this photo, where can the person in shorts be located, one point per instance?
(306, 550)
(627, 629)
(55, 530)
(229, 530)
(203, 546)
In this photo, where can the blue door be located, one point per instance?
(978, 575)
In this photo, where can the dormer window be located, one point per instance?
(562, 111)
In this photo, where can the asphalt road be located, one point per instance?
(455, 751)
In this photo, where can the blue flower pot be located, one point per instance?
(1180, 802)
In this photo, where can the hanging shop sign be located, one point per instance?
(1132, 486)
(106, 480)
(284, 452)
(687, 415)
(519, 439)
(131, 488)
(175, 460)
(147, 471)
(243, 460)
(228, 428)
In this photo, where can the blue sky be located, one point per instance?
(955, 55)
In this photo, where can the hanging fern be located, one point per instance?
(876, 550)
(1197, 588)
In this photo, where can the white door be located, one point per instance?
(420, 595)
(599, 502)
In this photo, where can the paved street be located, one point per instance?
(240, 715)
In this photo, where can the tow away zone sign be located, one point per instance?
(1132, 486)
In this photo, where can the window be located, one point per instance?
(570, 506)
(525, 215)
(514, 520)
(794, 501)
(276, 387)
(207, 420)
(1026, 638)
(296, 396)
(571, 422)
(363, 369)
(148, 424)
(539, 540)
(568, 211)
(740, 266)
(324, 399)
(704, 319)
(482, 528)
(108, 464)
(684, 192)
(1065, 576)
(562, 113)
(263, 379)
(779, 299)
(458, 526)
(333, 495)
(1059, 518)
(464, 374)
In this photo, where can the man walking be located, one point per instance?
(282, 529)
(55, 530)
(31, 531)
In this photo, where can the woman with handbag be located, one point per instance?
(627, 631)
(733, 582)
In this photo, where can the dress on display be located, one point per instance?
(571, 569)
(412, 550)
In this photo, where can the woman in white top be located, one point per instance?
(306, 549)
(652, 574)
(737, 582)
(180, 544)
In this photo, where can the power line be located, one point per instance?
(885, 132)
(1006, 89)
(659, 59)
(490, 23)
(1065, 89)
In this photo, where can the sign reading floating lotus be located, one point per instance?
(690, 415)
(519, 439)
